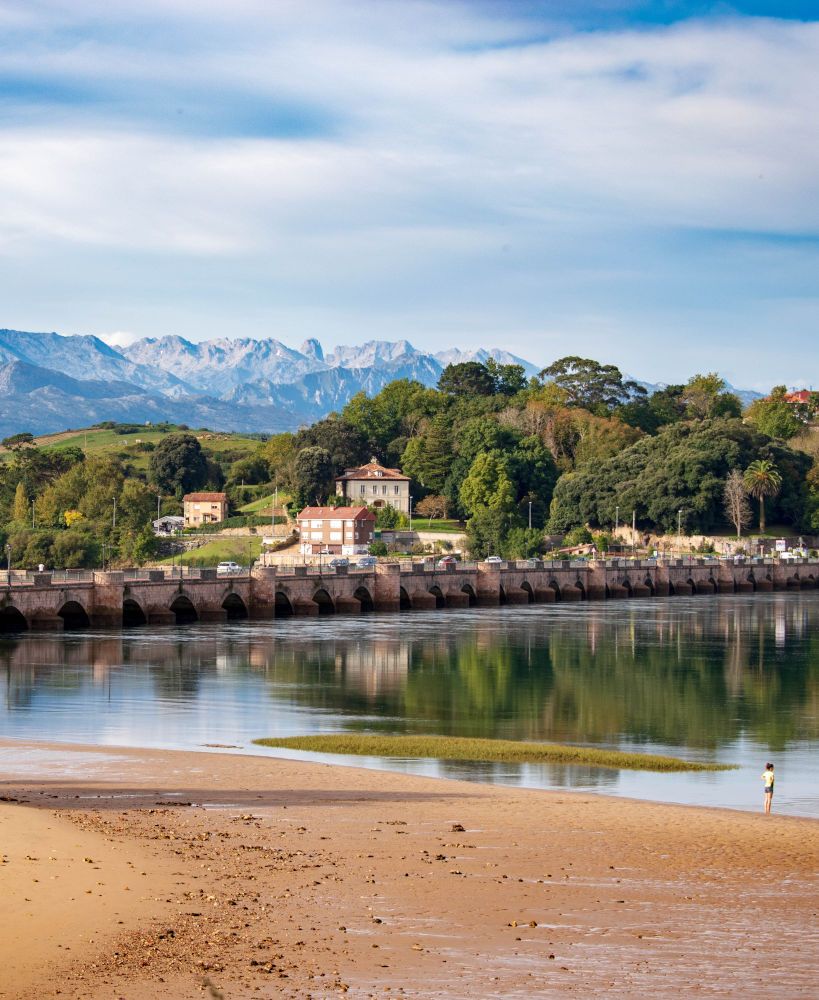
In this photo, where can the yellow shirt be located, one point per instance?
(768, 778)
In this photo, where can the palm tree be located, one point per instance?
(762, 479)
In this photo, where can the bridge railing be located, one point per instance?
(72, 576)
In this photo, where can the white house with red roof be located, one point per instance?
(338, 531)
(376, 485)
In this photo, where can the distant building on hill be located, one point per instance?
(375, 485)
(204, 508)
(338, 531)
(801, 396)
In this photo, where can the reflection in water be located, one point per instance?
(737, 676)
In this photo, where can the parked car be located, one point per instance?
(340, 561)
(445, 561)
(366, 561)
(227, 568)
(493, 559)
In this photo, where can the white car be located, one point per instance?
(493, 559)
(228, 568)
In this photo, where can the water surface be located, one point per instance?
(732, 679)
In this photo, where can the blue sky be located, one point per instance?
(635, 182)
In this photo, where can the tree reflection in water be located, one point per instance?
(693, 673)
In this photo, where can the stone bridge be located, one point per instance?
(157, 597)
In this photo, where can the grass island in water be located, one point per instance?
(462, 748)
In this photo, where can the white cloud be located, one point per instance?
(447, 167)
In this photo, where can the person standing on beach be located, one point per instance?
(768, 778)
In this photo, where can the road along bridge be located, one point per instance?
(83, 599)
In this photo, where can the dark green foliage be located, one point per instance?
(313, 476)
(347, 445)
(589, 384)
(470, 378)
(683, 468)
(251, 470)
(16, 441)
(178, 465)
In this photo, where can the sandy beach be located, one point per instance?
(142, 874)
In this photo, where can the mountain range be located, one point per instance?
(51, 382)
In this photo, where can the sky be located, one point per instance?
(636, 182)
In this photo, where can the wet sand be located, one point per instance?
(238, 877)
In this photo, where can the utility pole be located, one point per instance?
(114, 521)
(679, 531)
(633, 532)
(530, 515)
(410, 514)
(32, 513)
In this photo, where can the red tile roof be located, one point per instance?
(344, 513)
(372, 470)
(205, 497)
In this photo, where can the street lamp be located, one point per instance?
(410, 515)
(114, 522)
(32, 513)
(530, 515)
(103, 557)
(616, 521)
(679, 530)
(633, 532)
(8, 565)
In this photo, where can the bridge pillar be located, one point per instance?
(45, 623)
(596, 582)
(212, 614)
(726, 587)
(348, 606)
(545, 595)
(305, 609)
(488, 585)
(261, 604)
(617, 591)
(387, 587)
(514, 595)
(571, 593)
(745, 587)
(423, 600)
(106, 618)
(640, 590)
(661, 588)
(457, 599)
(160, 616)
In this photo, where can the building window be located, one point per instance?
(335, 536)
(362, 489)
(335, 524)
(384, 490)
(397, 490)
(375, 490)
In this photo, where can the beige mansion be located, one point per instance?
(375, 485)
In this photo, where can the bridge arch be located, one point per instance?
(283, 608)
(527, 588)
(235, 607)
(502, 599)
(324, 601)
(648, 582)
(12, 620)
(132, 614)
(404, 602)
(470, 593)
(556, 588)
(579, 584)
(365, 599)
(437, 593)
(74, 615)
(182, 607)
(626, 585)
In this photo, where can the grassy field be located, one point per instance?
(458, 748)
(236, 549)
(263, 504)
(436, 524)
(97, 441)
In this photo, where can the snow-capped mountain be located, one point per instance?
(49, 382)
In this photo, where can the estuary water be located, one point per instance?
(730, 679)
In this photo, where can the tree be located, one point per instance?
(704, 397)
(762, 479)
(736, 501)
(469, 378)
(488, 484)
(178, 465)
(508, 379)
(775, 416)
(313, 476)
(590, 384)
(433, 506)
(17, 441)
(279, 451)
(348, 445)
(20, 511)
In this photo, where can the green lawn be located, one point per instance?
(235, 549)
(460, 748)
(436, 524)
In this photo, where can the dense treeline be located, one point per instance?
(561, 451)
(574, 443)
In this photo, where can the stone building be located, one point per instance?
(375, 485)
